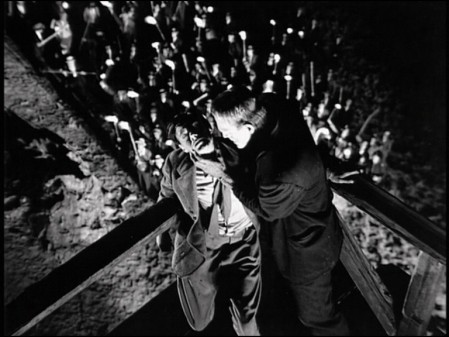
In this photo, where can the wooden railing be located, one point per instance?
(45, 296)
(414, 228)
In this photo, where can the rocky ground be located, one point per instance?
(63, 191)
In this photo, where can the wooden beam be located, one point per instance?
(395, 215)
(60, 285)
(367, 281)
(420, 298)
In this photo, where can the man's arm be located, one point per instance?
(163, 240)
(270, 201)
(166, 181)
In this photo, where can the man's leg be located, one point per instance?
(244, 260)
(197, 294)
(317, 309)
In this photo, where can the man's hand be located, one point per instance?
(203, 146)
(211, 166)
(341, 178)
(203, 155)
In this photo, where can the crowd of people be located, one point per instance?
(159, 58)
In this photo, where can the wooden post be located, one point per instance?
(420, 298)
(367, 280)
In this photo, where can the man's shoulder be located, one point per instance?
(301, 169)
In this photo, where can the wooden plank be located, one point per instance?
(420, 298)
(395, 215)
(367, 281)
(61, 284)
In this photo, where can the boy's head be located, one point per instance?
(188, 127)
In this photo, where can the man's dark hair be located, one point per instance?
(239, 104)
(194, 122)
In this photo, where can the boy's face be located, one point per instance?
(183, 137)
(186, 137)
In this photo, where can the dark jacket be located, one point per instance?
(290, 193)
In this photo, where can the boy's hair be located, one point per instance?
(239, 104)
(192, 121)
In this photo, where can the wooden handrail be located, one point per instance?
(367, 280)
(395, 215)
(67, 280)
(48, 294)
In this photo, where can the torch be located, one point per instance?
(303, 80)
(312, 82)
(109, 62)
(125, 126)
(70, 61)
(186, 63)
(152, 21)
(299, 94)
(277, 58)
(107, 4)
(202, 60)
(156, 46)
(171, 65)
(243, 37)
(273, 36)
(47, 39)
(288, 78)
(114, 120)
(132, 94)
(201, 24)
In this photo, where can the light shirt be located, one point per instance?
(238, 218)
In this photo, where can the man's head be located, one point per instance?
(238, 116)
(158, 132)
(187, 128)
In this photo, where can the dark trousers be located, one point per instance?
(311, 288)
(316, 308)
(232, 265)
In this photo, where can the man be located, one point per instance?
(284, 184)
(215, 241)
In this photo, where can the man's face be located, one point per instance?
(157, 133)
(240, 135)
(203, 86)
